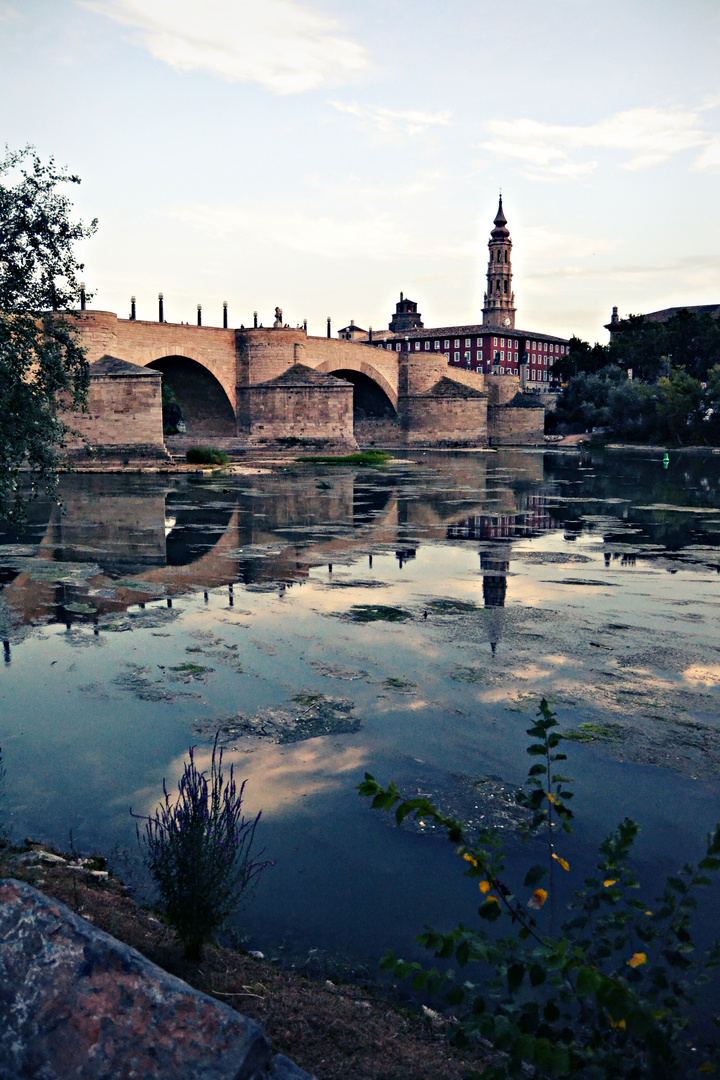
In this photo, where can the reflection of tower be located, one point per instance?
(494, 572)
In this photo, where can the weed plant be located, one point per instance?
(364, 457)
(608, 996)
(206, 455)
(198, 849)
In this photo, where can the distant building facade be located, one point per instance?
(617, 325)
(493, 347)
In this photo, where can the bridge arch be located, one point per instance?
(349, 368)
(202, 401)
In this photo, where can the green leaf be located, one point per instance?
(537, 974)
(490, 910)
(534, 876)
(515, 976)
(588, 981)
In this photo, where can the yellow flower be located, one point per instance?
(609, 882)
(637, 959)
(537, 899)
(620, 1025)
(485, 886)
(563, 862)
(468, 858)
(551, 797)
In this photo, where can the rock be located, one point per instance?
(257, 954)
(76, 1004)
(283, 1068)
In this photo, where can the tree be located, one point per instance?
(43, 370)
(580, 359)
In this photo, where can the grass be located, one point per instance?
(589, 732)
(206, 455)
(190, 669)
(364, 457)
(452, 607)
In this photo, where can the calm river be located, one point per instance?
(403, 621)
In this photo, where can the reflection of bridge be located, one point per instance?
(265, 386)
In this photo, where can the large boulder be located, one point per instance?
(76, 1004)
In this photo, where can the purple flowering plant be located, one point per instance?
(198, 847)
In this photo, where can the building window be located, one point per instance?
(447, 344)
(427, 344)
(457, 343)
(417, 346)
(479, 343)
(437, 344)
(545, 376)
(398, 346)
(457, 357)
(467, 342)
(494, 341)
(467, 358)
(447, 357)
(502, 370)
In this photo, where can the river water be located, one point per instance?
(403, 621)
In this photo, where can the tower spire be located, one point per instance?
(499, 306)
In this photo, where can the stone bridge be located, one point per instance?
(279, 386)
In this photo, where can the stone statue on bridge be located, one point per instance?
(278, 318)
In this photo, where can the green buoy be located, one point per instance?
(666, 460)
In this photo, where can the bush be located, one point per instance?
(198, 849)
(610, 996)
(206, 455)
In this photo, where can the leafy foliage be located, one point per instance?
(198, 849)
(608, 998)
(42, 365)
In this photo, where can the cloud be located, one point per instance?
(699, 270)
(8, 14)
(388, 121)
(371, 230)
(284, 45)
(709, 160)
(649, 136)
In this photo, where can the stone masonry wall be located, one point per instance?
(123, 418)
(501, 388)
(438, 421)
(516, 427)
(141, 342)
(316, 414)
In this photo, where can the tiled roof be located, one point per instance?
(112, 365)
(475, 329)
(301, 375)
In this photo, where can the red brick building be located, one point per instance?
(492, 346)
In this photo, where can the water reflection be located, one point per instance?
(129, 539)
(329, 621)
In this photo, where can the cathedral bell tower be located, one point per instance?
(499, 306)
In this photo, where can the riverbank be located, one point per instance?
(335, 1031)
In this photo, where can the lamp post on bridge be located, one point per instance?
(161, 309)
(199, 317)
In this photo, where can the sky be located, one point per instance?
(324, 155)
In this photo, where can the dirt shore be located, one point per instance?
(336, 1032)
